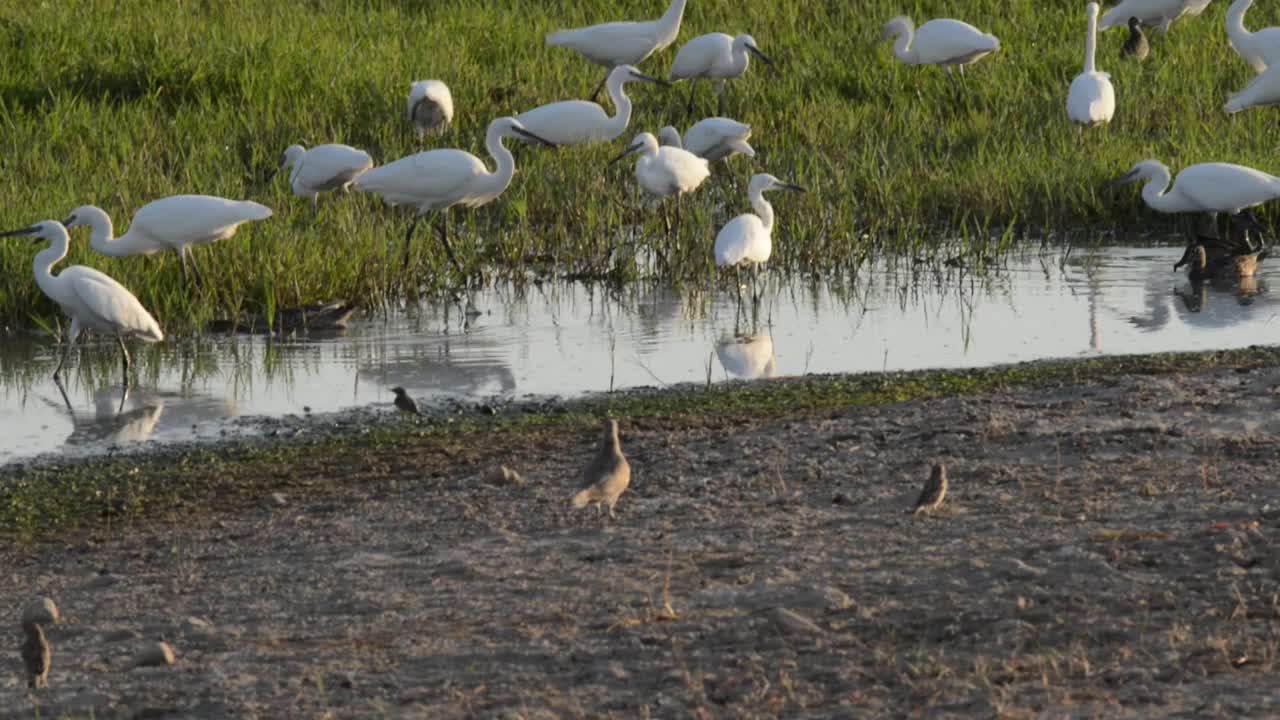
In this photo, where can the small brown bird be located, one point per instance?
(607, 475)
(1136, 46)
(404, 403)
(934, 490)
(36, 655)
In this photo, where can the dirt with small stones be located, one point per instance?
(1105, 550)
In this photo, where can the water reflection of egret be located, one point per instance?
(110, 422)
(747, 357)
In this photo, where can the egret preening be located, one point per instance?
(322, 168)
(1091, 100)
(175, 223)
(942, 41)
(1136, 45)
(1152, 13)
(713, 138)
(717, 57)
(1207, 187)
(430, 105)
(578, 121)
(1263, 90)
(440, 179)
(621, 43)
(663, 171)
(1260, 49)
(92, 299)
(747, 239)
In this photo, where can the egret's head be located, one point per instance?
(45, 230)
(511, 127)
(764, 182)
(895, 27)
(1092, 9)
(1143, 170)
(644, 143)
(624, 74)
(669, 137)
(85, 216)
(748, 43)
(290, 156)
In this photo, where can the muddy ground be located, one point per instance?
(1106, 550)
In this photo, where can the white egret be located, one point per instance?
(322, 168)
(92, 299)
(717, 57)
(942, 41)
(578, 121)
(1263, 90)
(621, 43)
(430, 105)
(748, 357)
(663, 171)
(1260, 49)
(747, 239)
(713, 138)
(440, 179)
(174, 223)
(1159, 14)
(1091, 101)
(1207, 187)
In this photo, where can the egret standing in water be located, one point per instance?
(430, 106)
(1159, 14)
(717, 57)
(1091, 101)
(621, 43)
(713, 138)
(1204, 188)
(578, 121)
(175, 223)
(663, 171)
(92, 299)
(942, 41)
(440, 179)
(1260, 49)
(322, 168)
(747, 239)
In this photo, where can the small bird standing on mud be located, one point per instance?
(36, 655)
(935, 490)
(404, 403)
(1136, 46)
(607, 475)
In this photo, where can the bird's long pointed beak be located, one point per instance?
(70, 219)
(650, 78)
(630, 149)
(531, 136)
(793, 188)
(763, 58)
(31, 230)
(1122, 180)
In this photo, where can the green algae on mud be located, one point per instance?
(47, 499)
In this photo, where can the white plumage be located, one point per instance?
(621, 43)
(747, 239)
(942, 41)
(1152, 13)
(1091, 100)
(748, 357)
(1206, 187)
(578, 121)
(323, 168)
(664, 171)
(92, 299)
(177, 223)
(1260, 49)
(1263, 90)
(430, 105)
(713, 138)
(715, 56)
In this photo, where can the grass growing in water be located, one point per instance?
(119, 106)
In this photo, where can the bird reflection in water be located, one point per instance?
(747, 357)
(111, 422)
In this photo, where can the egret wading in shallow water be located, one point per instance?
(92, 299)
(578, 121)
(713, 138)
(942, 41)
(621, 43)
(1159, 14)
(717, 57)
(430, 106)
(322, 168)
(1091, 100)
(440, 179)
(1259, 49)
(663, 171)
(1136, 45)
(175, 223)
(1263, 90)
(1204, 188)
(747, 240)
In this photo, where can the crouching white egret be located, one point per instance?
(430, 106)
(715, 56)
(942, 41)
(322, 168)
(1091, 101)
(92, 299)
(713, 138)
(747, 240)
(1152, 13)
(578, 121)
(663, 171)
(1207, 187)
(1263, 90)
(1260, 49)
(440, 179)
(621, 43)
(175, 223)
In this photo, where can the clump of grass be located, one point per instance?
(120, 108)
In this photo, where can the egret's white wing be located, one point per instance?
(110, 305)
(431, 179)
(1225, 186)
(566, 123)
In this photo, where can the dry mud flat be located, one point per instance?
(1106, 551)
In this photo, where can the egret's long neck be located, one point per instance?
(500, 178)
(741, 59)
(902, 45)
(102, 235)
(1153, 193)
(763, 209)
(622, 114)
(1236, 31)
(44, 262)
(669, 23)
(1091, 44)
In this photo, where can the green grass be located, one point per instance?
(119, 104)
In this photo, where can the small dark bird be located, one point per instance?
(36, 655)
(1210, 256)
(404, 403)
(607, 475)
(1136, 46)
(934, 490)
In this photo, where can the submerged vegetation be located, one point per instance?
(118, 106)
